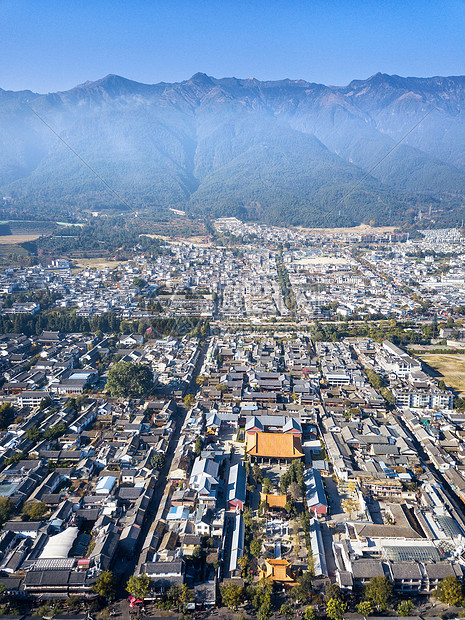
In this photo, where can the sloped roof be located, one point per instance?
(314, 489)
(366, 569)
(253, 422)
(274, 501)
(59, 546)
(204, 466)
(278, 570)
(237, 483)
(405, 570)
(292, 424)
(274, 445)
(440, 570)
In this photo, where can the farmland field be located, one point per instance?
(16, 239)
(450, 367)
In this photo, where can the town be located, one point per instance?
(264, 421)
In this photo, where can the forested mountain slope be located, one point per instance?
(283, 152)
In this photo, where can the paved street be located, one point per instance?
(125, 568)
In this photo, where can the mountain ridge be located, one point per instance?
(215, 146)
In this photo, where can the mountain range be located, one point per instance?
(288, 151)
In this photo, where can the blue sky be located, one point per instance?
(53, 45)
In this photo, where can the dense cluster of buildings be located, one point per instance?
(279, 424)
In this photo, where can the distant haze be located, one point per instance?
(285, 152)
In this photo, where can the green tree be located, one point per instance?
(34, 510)
(257, 473)
(6, 508)
(180, 595)
(333, 591)
(129, 380)
(374, 379)
(201, 380)
(265, 612)
(105, 584)
(74, 602)
(388, 396)
(232, 595)
(255, 547)
(55, 431)
(198, 446)
(364, 608)
(257, 595)
(287, 611)
(7, 415)
(158, 461)
(247, 515)
(243, 563)
(335, 609)
(197, 554)
(139, 282)
(289, 507)
(309, 614)
(189, 401)
(45, 402)
(379, 592)
(449, 591)
(138, 586)
(33, 433)
(405, 608)
(266, 485)
(303, 590)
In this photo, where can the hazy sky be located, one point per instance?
(51, 45)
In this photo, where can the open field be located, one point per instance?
(363, 229)
(195, 240)
(16, 239)
(451, 367)
(97, 263)
(150, 236)
(10, 248)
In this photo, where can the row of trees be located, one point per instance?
(378, 597)
(260, 597)
(177, 597)
(284, 282)
(371, 327)
(65, 320)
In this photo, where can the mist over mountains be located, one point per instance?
(282, 152)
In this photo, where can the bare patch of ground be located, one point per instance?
(450, 367)
(98, 263)
(16, 239)
(356, 230)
